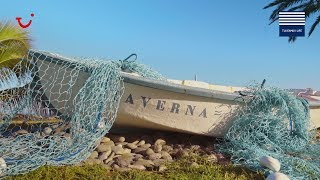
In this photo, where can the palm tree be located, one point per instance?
(14, 44)
(310, 7)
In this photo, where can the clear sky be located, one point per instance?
(223, 42)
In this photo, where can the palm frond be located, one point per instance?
(314, 25)
(14, 44)
(292, 39)
(282, 5)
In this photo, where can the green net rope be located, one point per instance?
(86, 93)
(274, 123)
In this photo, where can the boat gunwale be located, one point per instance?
(162, 85)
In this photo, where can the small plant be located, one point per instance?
(14, 44)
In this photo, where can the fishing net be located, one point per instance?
(54, 110)
(274, 123)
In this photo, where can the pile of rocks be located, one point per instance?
(148, 152)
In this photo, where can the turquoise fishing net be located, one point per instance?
(54, 112)
(276, 123)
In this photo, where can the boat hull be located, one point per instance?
(146, 107)
(149, 103)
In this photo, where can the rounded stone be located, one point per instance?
(105, 139)
(103, 148)
(137, 166)
(167, 148)
(105, 155)
(110, 158)
(142, 142)
(149, 152)
(122, 139)
(94, 155)
(118, 150)
(126, 150)
(146, 146)
(47, 131)
(160, 142)
(109, 143)
(137, 156)
(157, 148)
(131, 146)
(154, 156)
(3, 165)
(166, 156)
(271, 163)
(182, 153)
(140, 150)
(124, 160)
(135, 142)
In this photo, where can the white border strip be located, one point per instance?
(292, 13)
(293, 24)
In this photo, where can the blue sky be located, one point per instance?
(223, 42)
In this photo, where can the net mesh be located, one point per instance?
(54, 112)
(274, 123)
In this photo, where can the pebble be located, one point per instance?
(139, 150)
(103, 148)
(105, 140)
(277, 176)
(118, 149)
(121, 143)
(124, 160)
(160, 142)
(47, 131)
(166, 156)
(137, 166)
(182, 153)
(167, 148)
(105, 155)
(154, 156)
(131, 146)
(144, 153)
(109, 143)
(146, 146)
(142, 142)
(122, 139)
(3, 165)
(137, 156)
(157, 148)
(94, 155)
(149, 151)
(271, 163)
(110, 158)
(135, 143)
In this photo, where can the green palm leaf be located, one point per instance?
(14, 44)
(310, 7)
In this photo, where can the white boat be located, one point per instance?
(181, 106)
